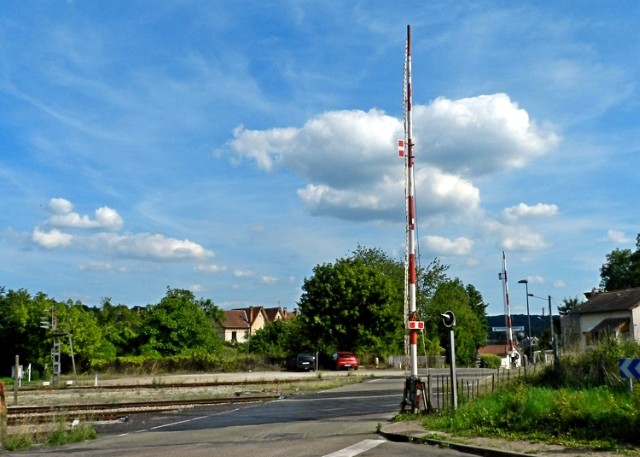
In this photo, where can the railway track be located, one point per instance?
(20, 415)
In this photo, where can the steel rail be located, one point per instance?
(170, 385)
(106, 411)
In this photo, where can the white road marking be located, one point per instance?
(340, 398)
(356, 449)
(180, 422)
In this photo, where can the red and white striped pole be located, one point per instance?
(507, 306)
(411, 216)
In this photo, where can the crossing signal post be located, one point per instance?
(449, 321)
(415, 391)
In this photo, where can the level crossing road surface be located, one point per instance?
(340, 422)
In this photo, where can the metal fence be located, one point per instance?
(439, 386)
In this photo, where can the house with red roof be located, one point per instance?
(240, 323)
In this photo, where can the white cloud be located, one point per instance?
(60, 206)
(523, 210)
(268, 280)
(210, 268)
(522, 238)
(445, 246)
(349, 157)
(142, 245)
(334, 147)
(147, 245)
(96, 266)
(535, 279)
(480, 135)
(63, 216)
(51, 239)
(197, 288)
(243, 273)
(618, 237)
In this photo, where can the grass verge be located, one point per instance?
(598, 417)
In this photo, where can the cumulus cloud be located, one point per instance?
(63, 216)
(445, 246)
(60, 206)
(523, 238)
(480, 135)
(268, 280)
(523, 211)
(51, 239)
(514, 236)
(148, 245)
(106, 222)
(348, 158)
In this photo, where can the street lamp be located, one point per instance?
(526, 285)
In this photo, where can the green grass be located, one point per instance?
(597, 415)
(58, 436)
(582, 401)
(62, 435)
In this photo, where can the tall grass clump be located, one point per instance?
(62, 435)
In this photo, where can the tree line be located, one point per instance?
(355, 303)
(179, 323)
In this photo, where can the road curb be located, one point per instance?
(420, 438)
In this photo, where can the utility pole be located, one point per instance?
(554, 342)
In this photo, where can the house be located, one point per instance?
(240, 323)
(502, 351)
(604, 315)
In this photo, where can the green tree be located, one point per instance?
(429, 279)
(622, 269)
(121, 327)
(351, 305)
(568, 304)
(479, 307)
(20, 328)
(470, 329)
(281, 338)
(179, 324)
(86, 336)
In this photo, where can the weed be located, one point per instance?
(17, 442)
(61, 435)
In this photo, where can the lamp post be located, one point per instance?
(526, 286)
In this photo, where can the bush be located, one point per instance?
(225, 360)
(490, 361)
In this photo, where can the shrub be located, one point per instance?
(490, 361)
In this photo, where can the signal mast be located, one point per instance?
(513, 354)
(414, 387)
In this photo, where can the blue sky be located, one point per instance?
(229, 147)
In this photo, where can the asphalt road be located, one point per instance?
(337, 423)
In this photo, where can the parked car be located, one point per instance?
(302, 362)
(344, 360)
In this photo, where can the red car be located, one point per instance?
(345, 361)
